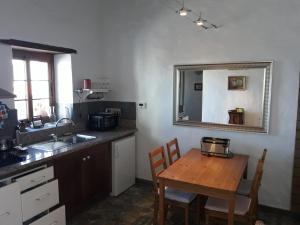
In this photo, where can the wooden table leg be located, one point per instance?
(161, 202)
(231, 206)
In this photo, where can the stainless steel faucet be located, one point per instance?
(55, 136)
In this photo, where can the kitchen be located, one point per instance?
(133, 44)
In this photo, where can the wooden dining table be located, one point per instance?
(205, 175)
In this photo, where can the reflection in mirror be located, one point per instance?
(231, 96)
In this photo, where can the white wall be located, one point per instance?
(144, 39)
(6, 79)
(63, 78)
(217, 99)
(137, 42)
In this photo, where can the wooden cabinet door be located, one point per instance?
(68, 172)
(101, 163)
(96, 171)
(82, 175)
(86, 175)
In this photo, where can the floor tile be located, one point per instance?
(135, 207)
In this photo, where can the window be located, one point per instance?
(33, 83)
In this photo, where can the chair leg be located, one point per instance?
(186, 215)
(206, 219)
(198, 210)
(256, 208)
(166, 210)
(251, 221)
(155, 212)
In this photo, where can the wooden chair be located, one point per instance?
(173, 150)
(173, 197)
(245, 207)
(245, 184)
(263, 157)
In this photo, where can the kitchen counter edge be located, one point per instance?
(37, 158)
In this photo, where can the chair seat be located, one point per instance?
(179, 196)
(242, 205)
(244, 187)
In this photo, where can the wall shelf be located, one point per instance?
(91, 93)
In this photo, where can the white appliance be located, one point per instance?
(123, 165)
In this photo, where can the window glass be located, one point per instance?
(39, 70)
(31, 83)
(19, 69)
(40, 89)
(21, 107)
(41, 107)
(20, 90)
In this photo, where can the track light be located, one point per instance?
(199, 22)
(203, 23)
(183, 12)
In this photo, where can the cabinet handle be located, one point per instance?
(38, 179)
(83, 158)
(5, 214)
(42, 197)
(88, 157)
(54, 223)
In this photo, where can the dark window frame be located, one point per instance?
(27, 56)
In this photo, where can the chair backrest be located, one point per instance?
(256, 184)
(259, 171)
(263, 157)
(157, 164)
(173, 151)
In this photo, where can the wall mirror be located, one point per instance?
(227, 96)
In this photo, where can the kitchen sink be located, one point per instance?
(49, 146)
(77, 138)
(62, 142)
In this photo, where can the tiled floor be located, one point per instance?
(134, 207)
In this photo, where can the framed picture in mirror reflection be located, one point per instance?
(237, 83)
(198, 87)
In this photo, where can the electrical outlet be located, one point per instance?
(142, 105)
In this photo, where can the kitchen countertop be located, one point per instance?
(36, 157)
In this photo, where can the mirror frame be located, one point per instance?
(266, 101)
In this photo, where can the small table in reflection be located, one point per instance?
(236, 117)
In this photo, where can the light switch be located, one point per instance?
(142, 105)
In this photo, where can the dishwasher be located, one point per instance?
(123, 164)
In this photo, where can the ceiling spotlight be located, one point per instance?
(183, 11)
(199, 22)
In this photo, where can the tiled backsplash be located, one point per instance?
(128, 109)
(79, 111)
